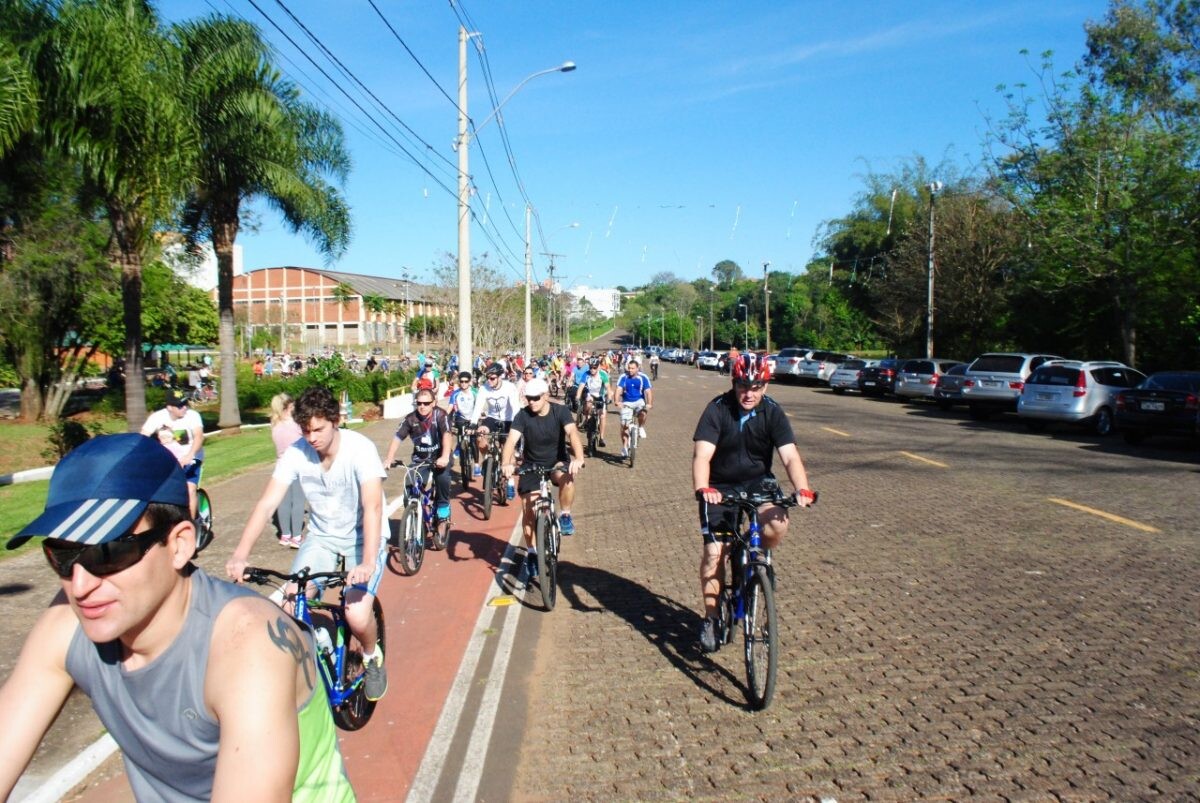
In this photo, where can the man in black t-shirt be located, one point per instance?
(733, 445)
(433, 445)
(548, 430)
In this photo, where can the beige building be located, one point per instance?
(317, 308)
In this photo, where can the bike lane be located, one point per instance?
(430, 619)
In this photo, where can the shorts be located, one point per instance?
(630, 409)
(192, 472)
(319, 557)
(528, 483)
(719, 522)
(495, 424)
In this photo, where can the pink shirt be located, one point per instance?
(285, 433)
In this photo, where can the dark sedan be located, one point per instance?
(880, 379)
(1167, 403)
(948, 391)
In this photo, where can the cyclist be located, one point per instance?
(732, 451)
(190, 675)
(189, 432)
(433, 443)
(593, 393)
(342, 479)
(548, 430)
(495, 407)
(462, 403)
(528, 374)
(635, 391)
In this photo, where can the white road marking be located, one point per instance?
(836, 432)
(434, 761)
(924, 460)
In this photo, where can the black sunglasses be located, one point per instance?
(101, 560)
(424, 403)
(533, 398)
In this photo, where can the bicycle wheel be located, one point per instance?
(489, 485)
(500, 486)
(357, 710)
(204, 520)
(465, 463)
(547, 560)
(413, 553)
(761, 631)
(633, 442)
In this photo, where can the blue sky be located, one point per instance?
(691, 132)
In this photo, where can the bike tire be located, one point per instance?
(440, 537)
(547, 561)
(465, 464)
(489, 483)
(204, 520)
(357, 710)
(412, 553)
(760, 628)
(500, 486)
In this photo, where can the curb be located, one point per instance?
(73, 772)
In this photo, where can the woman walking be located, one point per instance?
(289, 518)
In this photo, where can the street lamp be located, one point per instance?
(767, 301)
(699, 333)
(407, 277)
(712, 291)
(747, 339)
(934, 189)
(463, 145)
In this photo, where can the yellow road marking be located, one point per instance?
(925, 460)
(836, 432)
(501, 601)
(1146, 528)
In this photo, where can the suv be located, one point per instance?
(994, 381)
(819, 366)
(787, 359)
(917, 379)
(1075, 393)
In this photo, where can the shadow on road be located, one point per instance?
(663, 622)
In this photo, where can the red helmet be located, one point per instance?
(750, 367)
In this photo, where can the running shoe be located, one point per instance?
(642, 433)
(708, 634)
(375, 684)
(477, 471)
(566, 524)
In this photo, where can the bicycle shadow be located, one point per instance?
(666, 624)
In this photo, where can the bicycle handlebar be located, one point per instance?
(542, 470)
(749, 501)
(262, 576)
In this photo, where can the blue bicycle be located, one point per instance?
(749, 597)
(339, 655)
(419, 517)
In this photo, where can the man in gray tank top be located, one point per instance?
(191, 675)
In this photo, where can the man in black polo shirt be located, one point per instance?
(733, 445)
(548, 429)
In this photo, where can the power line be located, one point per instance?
(404, 44)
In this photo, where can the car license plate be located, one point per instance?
(990, 383)
(1153, 406)
(1045, 396)
(869, 384)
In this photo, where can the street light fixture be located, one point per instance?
(463, 145)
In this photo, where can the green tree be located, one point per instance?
(726, 272)
(256, 139)
(108, 82)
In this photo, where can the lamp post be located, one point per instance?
(712, 292)
(463, 145)
(699, 333)
(407, 277)
(767, 301)
(747, 323)
(934, 189)
(662, 323)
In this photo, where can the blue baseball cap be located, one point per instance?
(102, 487)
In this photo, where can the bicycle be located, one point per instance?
(339, 659)
(547, 534)
(465, 434)
(750, 595)
(589, 423)
(204, 516)
(493, 475)
(419, 517)
(630, 429)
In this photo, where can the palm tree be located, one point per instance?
(256, 139)
(109, 105)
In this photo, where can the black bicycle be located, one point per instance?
(749, 597)
(493, 476)
(589, 424)
(465, 433)
(546, 532)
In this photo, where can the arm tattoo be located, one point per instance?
(288, 639)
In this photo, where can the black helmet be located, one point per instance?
(494, 369)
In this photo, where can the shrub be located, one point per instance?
(65, 434)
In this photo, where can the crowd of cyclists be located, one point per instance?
(136, 615)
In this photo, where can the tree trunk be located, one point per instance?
(128, 257)
(223, 235)
(31, 399)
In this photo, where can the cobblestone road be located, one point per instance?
(948, 632)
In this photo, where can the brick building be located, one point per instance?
(318, 308)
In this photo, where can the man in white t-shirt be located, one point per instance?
(342, 478)
(188, 429)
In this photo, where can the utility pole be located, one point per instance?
(712, 291)
(465, 347)
(767, 301)
(528, 287)
(550, 304)
(934, 188)
(407, 307)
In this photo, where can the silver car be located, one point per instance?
(1076, 393)
(994, 381)
(818, 366)
(788, 358)
(846, 376)
(917, 379)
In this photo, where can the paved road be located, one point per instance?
(949, 631)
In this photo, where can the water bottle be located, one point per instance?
(324, 643)
(510, 490)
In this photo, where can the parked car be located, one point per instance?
(846, 376)
(1075, 393)
(787, 359)
(994, 381)
(707, 360)
(918, 378)
(771, 361)
(819, 366)
(1166, 403)
(880, 379)
(948, 391)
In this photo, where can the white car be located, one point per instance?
(708, 360)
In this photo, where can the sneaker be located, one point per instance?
(477, 471)
(457, 454)
(642, 432)
(624, 451)
(602, 443)
(566, 524)
(285, 540)
(708, 634)
(375, 684)
(528, 568)
(443, 512)
(297, 540)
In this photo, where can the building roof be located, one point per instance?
(389, 288)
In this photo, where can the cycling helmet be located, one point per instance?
(494, 369)
(464, 375)
(749, 368)
(594, 362)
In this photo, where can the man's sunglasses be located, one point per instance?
(533, 398)
(423, 403)
(101, 560)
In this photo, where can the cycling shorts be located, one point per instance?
(191, 472)
(718, 522)
(495, 424)
(528, 483)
